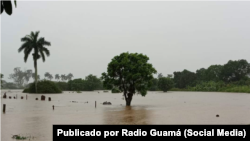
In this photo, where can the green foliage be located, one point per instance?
(208, 86)
(76, 85)
(154, 85)
(212, 86)
(32, 42)
(115, 90)
(92, 83)
(17, 137)
(44, 86)
(1, 80)
(235, 70)
(165, 84)
(131, 73)
(62, 85)
(78, 92)
(184, 79)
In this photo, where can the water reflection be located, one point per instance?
(127, 115)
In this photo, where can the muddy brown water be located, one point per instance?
(35, 117)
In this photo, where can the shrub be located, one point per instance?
(44, 86)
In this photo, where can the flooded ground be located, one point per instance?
(35, 117)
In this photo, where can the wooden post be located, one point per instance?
(95, 104)
(4, 106)
(53, 107)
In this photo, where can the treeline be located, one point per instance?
(21, 78)
(90, 83)
(230, 77)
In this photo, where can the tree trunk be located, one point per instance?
(35, 64)
(129, 99)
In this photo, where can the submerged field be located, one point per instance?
(35, 117)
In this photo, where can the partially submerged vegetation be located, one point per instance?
(19, 137)
(230, 77)
(43, 86)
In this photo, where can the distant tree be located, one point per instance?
(63, 77)
(57, 77)
(154, 85)
(76, 85)
(1, 76)
(235, 70)
(160, 75)
(201, 75)
(48, 75)
(184, 79)
(165, 84)
(18, 76)
(7, 6)
(69, 76)
(32, 42)
(9, 85)
(170, 76)
(130, 72)
(1, 80)
(92, 83)
(213, 73)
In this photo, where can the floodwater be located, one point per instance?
(36, 118)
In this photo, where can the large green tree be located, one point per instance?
(213, 73)
(165, 84)
(131, 73)
(32, 42)
(235, 70)
(1, 80)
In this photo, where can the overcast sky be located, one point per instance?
(85, 36)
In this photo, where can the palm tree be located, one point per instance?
(63, 77)
(32, 42)
(50, 77)
(46, 75)
(69, 76)
(57, 76)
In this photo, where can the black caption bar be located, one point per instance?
(80, 132)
